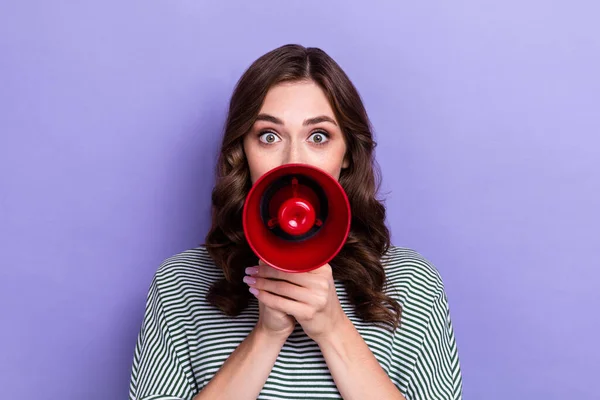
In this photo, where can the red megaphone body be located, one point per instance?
(296, 217)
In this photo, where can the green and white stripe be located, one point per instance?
(184, 340)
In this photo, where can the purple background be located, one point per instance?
(487, 116)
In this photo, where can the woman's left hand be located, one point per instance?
(310, 297)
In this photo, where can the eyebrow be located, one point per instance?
(309, 121)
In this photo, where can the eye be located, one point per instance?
(319, 137)
(268, 137)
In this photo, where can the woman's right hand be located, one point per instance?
(270, 321)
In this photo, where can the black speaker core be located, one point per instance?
(322, 208)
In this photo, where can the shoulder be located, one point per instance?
(409, 275)
(193, 268)
(425, 343)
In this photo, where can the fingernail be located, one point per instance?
(249, 280)
(251, 270)
(254, 291)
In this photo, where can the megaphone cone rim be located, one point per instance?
(327, 176)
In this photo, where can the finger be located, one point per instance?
(278, 303)
(282, 288)
(322, 270)
(300, 279)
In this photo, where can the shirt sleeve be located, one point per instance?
(158, 371)
(436, 374)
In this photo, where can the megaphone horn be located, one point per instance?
(296, 217)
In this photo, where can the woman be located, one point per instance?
(372, 324)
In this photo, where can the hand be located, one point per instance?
(310, 297)
(271, 321)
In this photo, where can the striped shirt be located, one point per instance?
(184, 340)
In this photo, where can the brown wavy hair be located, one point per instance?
(358, 265)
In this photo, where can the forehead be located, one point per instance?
(291, 100)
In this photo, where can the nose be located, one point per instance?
(294, 154)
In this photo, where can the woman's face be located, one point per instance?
(295, 125)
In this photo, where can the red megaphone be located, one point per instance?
(296, 217)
